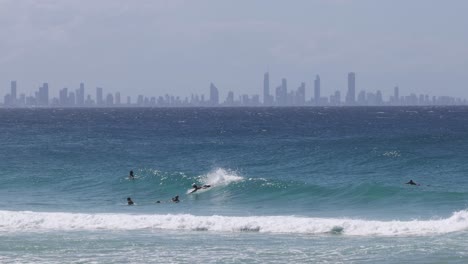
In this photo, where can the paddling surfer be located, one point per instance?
(411, 182)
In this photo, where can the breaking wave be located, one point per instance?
(27, 221)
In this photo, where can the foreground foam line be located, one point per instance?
(11, 221)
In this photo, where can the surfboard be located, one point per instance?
(199, 190)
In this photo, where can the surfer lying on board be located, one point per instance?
(411, 182)
(196, 187)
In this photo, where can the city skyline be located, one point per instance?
(281, 95)
(178, 47)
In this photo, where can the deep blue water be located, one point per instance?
(277, 173)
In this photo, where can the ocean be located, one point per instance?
(288, 185)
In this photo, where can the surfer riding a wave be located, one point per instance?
(196, 187)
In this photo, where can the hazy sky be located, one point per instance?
(179, 47)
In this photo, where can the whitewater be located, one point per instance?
(35, 221)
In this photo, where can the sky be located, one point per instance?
(154, 47)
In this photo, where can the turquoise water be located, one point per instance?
(289, 185)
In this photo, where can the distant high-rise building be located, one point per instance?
(214, 95)
(317, 90)
(291, 98)
(13, 99)
(361, 98)
(99, 98)
(43, 95)
(140, 100)
(282, 93)
(109, 99)
(300, 95)
(378, 98)
(336, 98)
(230, 99)
(351, 94)
(22, 99)
(129, 100)
(89, 101)
(245, 100)
(117, 98)
(255, 101)
(6, 99)
(71, 99)
(396, 95)
(266, 89)
(421, 99)
(80, 95)
(63, 97)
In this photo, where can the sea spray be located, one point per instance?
(220, 177)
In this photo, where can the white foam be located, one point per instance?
(41, 221)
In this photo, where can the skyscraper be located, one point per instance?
(300, 95)
(99, 96)
(13, 98)
(214, 95)
(230, 99)
(317, 90)
(351, 94)
(63, 97)
(43, 95)
(109, 99)
(6, 99)
(80, 95)
(282, 93)
(336, 98)
(71, 99)
(396, 95)
(266, 89)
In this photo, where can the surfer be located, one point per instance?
(176, 199)
(196, 187)
(129, 201)
(411, 182)
(131, 176)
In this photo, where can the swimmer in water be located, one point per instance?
(196, 187)
(129, 201)
(411, 182)
(176, 199)
(131, 176)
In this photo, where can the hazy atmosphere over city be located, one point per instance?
(180, 47)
